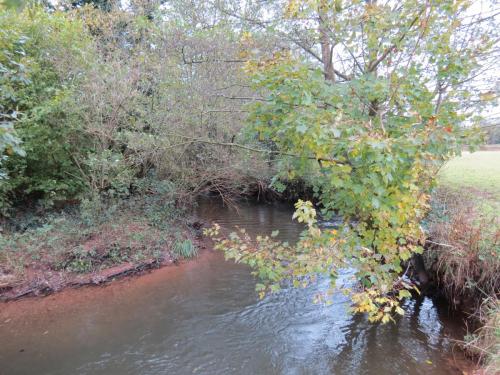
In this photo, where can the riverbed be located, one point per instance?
(204, 317)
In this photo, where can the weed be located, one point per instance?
(465, 246)
(184, 249)
(485, 342)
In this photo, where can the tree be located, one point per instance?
(375, 121)
(42, 55)
(105, 5)
(12, 75)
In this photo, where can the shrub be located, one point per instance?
(42, 55)
(102, 109)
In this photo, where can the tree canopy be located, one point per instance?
(375, 125)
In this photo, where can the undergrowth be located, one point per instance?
(464, 246)
(485, 342)
(464, 254)
(98, 234)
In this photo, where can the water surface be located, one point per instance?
(204, 317)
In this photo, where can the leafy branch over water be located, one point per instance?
(378, 136)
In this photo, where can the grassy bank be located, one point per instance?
(91, 243)
(464, 246)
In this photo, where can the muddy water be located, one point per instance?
(203, 317)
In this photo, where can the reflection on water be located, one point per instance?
(204, 318)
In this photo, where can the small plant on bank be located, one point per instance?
(184, 248)
(78, 260)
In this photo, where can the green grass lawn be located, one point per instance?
(477, 172)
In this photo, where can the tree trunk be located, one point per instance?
(326, 46)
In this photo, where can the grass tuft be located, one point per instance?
(184, 249)
(485, 342)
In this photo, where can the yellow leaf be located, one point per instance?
(487, 96)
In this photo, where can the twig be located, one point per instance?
(439, 244)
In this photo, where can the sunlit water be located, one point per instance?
(204, 317)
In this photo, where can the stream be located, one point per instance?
(204, 317)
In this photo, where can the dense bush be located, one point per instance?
(109, 98)
(50, 51)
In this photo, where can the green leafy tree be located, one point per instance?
(373, 129)
(42, 56)
(105, 5)
(13, 74)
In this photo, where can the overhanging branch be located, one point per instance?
(252, 149)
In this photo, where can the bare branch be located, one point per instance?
(252, 149)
